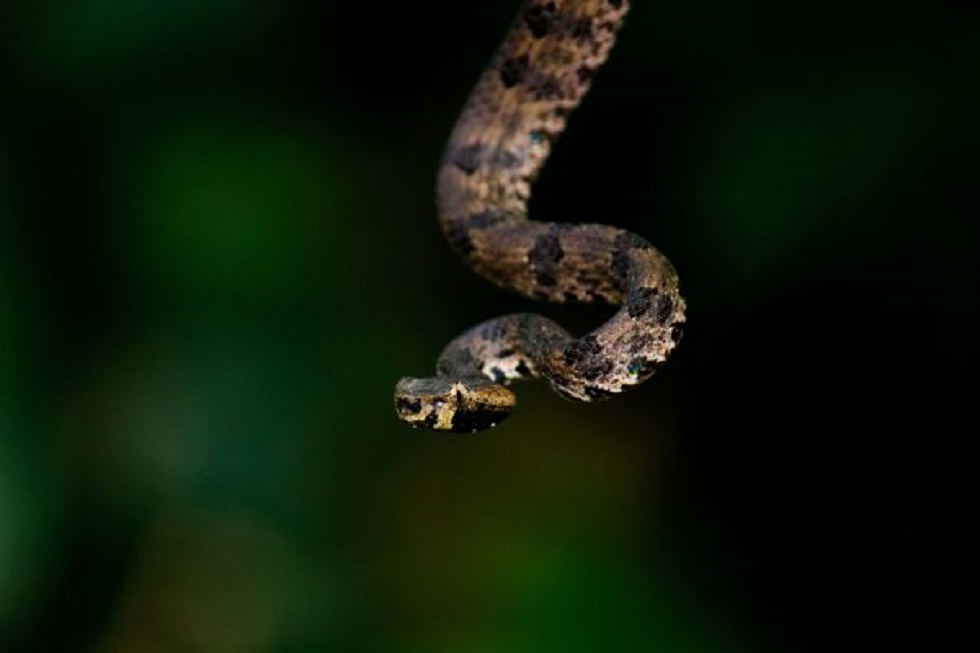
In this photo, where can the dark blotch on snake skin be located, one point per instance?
(458, 232)
(585, 74)
(640, 300)
(546, 252)
(468, 159)
(582, 348)
(621, 255)
(581, 29)
(540, 18)
(547, 280)
(513, 70)
(492, 332)
(544, 256)
(586, 356)
(547, 87)
(664, 308)
(621, 264)
(506, 159)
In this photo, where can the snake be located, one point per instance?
(501, 139)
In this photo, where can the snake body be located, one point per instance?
(501, 140)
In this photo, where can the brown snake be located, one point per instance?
(501, 140)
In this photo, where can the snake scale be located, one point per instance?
(501, 140)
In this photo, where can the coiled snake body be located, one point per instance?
(500, 142)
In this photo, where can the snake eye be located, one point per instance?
(407, 407)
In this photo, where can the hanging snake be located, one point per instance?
(501, 140)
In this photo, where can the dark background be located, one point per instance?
(218, 252)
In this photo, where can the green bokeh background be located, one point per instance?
(218, 252)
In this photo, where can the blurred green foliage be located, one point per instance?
(217, 254)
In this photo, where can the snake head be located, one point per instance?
(458, 405)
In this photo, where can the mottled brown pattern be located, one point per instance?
(502, 138)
